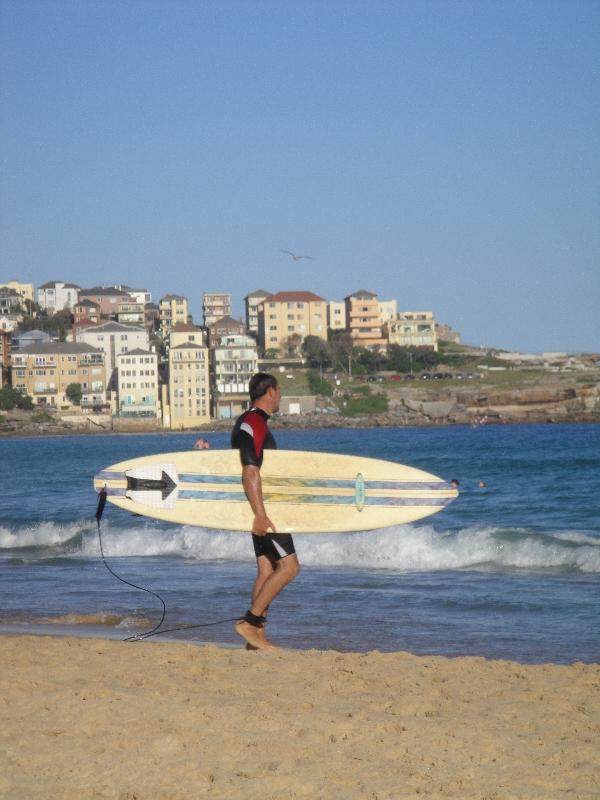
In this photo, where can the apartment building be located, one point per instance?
(187, 334)
(107, 297)
(86, 311)
(137, 384)
(113, 338)
(388, 310)
(363, 320)
(10, 301)
(224, 327)
(251, 303)
(141, 296)
(215, 305)
(130, 313)
(189, 386)
(24, 290)
(56, 296)
(285, 319)
(173, 310)
(336, 316)
(45, 371)
(233, 361)
(413, 329)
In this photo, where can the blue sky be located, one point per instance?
(441, 153)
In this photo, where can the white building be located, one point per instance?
(137, 383)
(251, 303)
(413, 329)
(55, 296)
(388, 311)
(232, 363)
(215, 305)
(113, 338)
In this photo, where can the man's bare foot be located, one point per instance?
(255, 637)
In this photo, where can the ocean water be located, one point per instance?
(510, 571)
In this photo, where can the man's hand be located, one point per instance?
(261, 525)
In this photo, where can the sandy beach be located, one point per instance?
(92, 718)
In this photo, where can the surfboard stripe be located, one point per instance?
(317, 483)
(240, 497)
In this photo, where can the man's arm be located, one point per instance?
(252, 484)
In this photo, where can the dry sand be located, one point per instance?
(89, 718)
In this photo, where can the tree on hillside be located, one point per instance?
(74, 393)
(11, 398)
(317, 352)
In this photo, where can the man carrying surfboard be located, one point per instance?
(276, 558)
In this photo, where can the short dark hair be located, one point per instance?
(260, 383)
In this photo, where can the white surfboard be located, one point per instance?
(304, 492)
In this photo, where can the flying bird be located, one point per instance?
(294, 256)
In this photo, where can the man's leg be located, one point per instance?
(269, 582)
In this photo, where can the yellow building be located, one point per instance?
(413, 329)
(363, 320)
(173, 310)
(45, 370)
(24, 290)
(285, 319)
(180, 334)
(189, 387)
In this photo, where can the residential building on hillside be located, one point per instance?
(388, 310)
(57, 296)
(251, 304)
(173, 309)
(137, 384)
(24, 290)
(45, 371)
(130, 313)
(10, 301)
(10, 322)
(363, 320)
(86, 311)
(187, 333)
(189, 387)
(233, 361)
(285, 319)
(141, 296)
(413, 329)
(22, 339)
(215, 305)
(113, 338)
(5, 354)
(107, 297)
(336, 316)
(226, 326)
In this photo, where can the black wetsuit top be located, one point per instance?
(251, 435)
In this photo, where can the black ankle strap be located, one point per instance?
(252, 619)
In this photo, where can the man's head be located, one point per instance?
(264, 390)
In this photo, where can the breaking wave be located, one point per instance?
(405, 548)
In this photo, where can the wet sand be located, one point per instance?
(92, 718)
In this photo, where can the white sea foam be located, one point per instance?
(405, 547)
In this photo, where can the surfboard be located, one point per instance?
(303, 491)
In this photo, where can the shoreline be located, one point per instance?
(97, 718)
(290, 423)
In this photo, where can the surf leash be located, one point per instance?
(155, 630)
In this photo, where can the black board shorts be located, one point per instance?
(273, 545)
